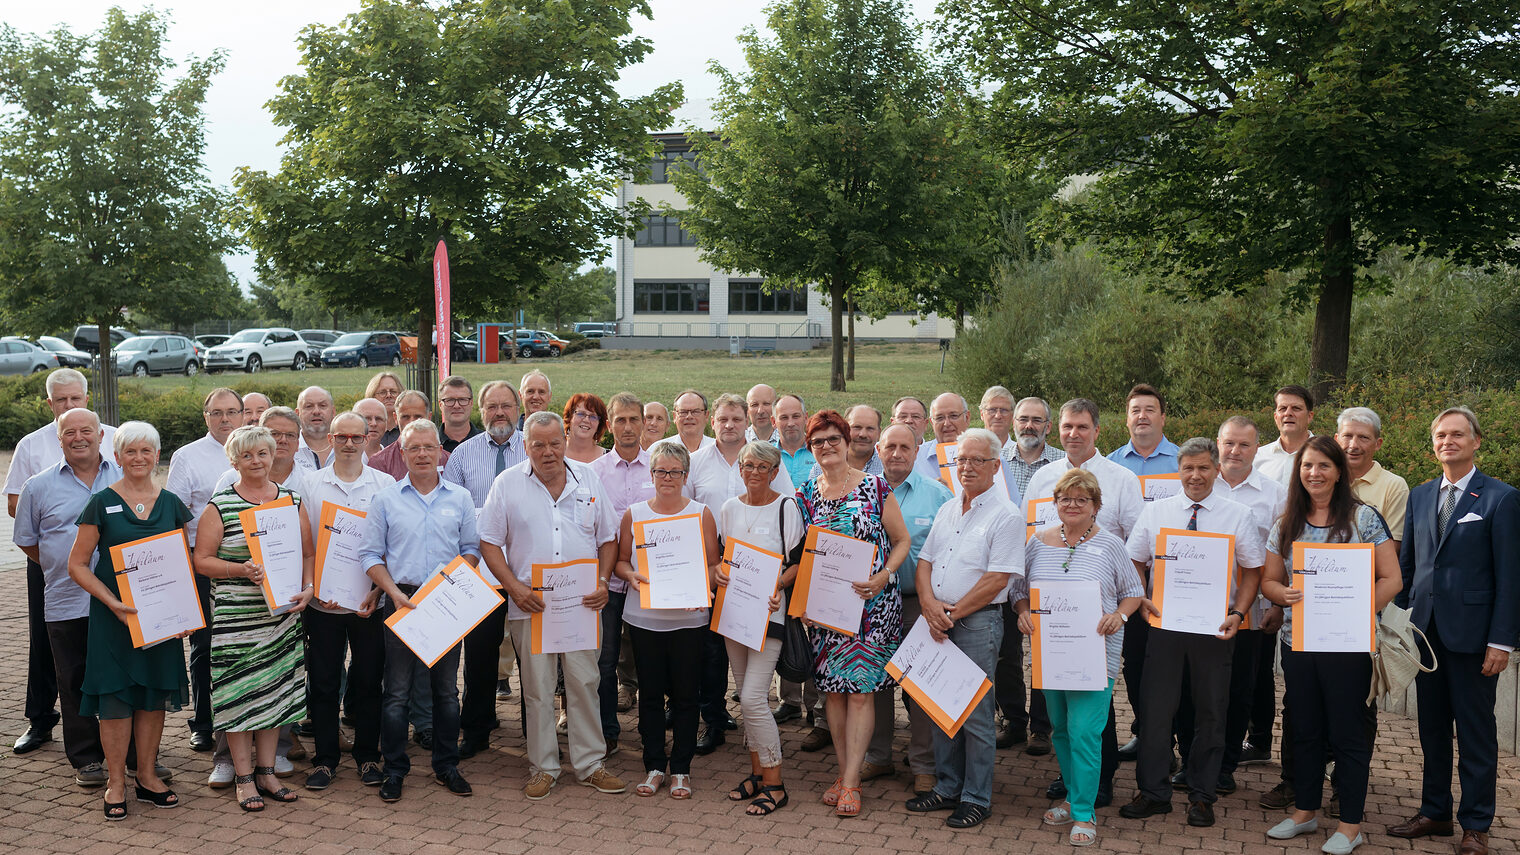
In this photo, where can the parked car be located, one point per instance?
(596, 329)
(143, 355)
(254, 349)
(363, 349)
(206, 342)
(319, 340)
(87, 337)
(464, 349)
(19, 356)
(67, 356)
(531, 343)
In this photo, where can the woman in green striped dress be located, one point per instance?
(258, 671)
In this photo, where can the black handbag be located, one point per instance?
(796, 660)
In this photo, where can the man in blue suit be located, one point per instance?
(1461, 563)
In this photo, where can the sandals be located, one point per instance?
(1059, 815)
(747, 789)
(1083, 836)
(282, 795)
(831, 795)
(768, 803)
(680, 786)
(255, 802)
(849, 802)
(651, 785)
(165, 799)
(116, 811)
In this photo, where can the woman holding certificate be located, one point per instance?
(128, 688)
(1087, 567)
(767, 525)
(667, 642)
(849, 667)
(1327, 689)
(585, 425)
(258, 671)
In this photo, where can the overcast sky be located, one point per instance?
(260, 41)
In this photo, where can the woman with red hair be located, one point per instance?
(585, 425)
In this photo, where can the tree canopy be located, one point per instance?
(1236, 139)
(492, 125)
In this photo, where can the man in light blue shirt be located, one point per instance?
(1148, 451)
(790, 416)
(414, 529)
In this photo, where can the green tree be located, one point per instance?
(571, 294)
(841, 156)
(1233, 139)
(490, 124)
(104, 203)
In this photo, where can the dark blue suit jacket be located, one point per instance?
(1468, 582)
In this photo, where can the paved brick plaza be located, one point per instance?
(42, 811)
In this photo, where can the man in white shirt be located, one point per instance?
(996, 411)
(330, 628)
(1203, 658)
(1079, 436)
(315, 407)
(974, 547)
(760, 401)
(193, 472)
(1293, 412)
(549, 510)
(537, 394)
(656, 423)
(691, 417)
(254, 405)
(39, 450)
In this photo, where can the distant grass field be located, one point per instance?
(884, 373)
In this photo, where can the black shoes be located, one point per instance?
(1141, 807)
(729, 723)
(1180, 781)
(932, 802)
(202, 741)
(424, 738)
(1200, 815)
(1251, 756)
(968, 815)
(453, 780)
(1009, 736)
(712, 736)
(471, 745)
(370, 774)
(390, 791)
(1130, 750)
(787, 712)
(1226, 784)
(34, 738)
(320, 778)
(1057, 788)
(1278, 797)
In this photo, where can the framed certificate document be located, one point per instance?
(940, 676)
(447, 608)
(155, 578)
(742, 611)
(670, 553)
(1338, 613)
(1041, 513)
(273, 530)
(339, 577)
(1156, 487)
(1068, 653)
(1191, 580)
(824, 592)
(565, 625)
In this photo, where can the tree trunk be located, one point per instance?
(850, 368)
(836, 329)
(107, 403)
(1330, 351)
(427, 321)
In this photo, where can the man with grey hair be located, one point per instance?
(949, 415)
(315, 408)
(865, 429)
(36, 452)
(411, 405)
(254, 405)
(1201, 662)
(913, 414)
(996, 411)
(1359, 433)
(536, 395)
(760, 402)
(1029, 452)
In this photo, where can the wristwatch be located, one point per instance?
(1124, 618)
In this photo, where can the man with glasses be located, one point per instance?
(760, 402)
(455, 395)
(911, 413)
(691, 417)
(193, 472)
(414, 529)
(950, 416)
(315, 408)
(1029, 452)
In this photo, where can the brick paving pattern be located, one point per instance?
(43, 811)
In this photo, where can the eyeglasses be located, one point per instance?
(286, 435)
(667, 473)
(689, 412)
(1029, 420)
(456, 402)
(413, 448)
(830, 441)
(1073, 501)
(350, 438)
(224, 414)
(997, 411)
(948, 417)
(974, 461)
(585, 416)
(755, 467)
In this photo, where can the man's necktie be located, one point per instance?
(1448, 505)
(501, 458)
(1193, 523)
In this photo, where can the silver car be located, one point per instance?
(23, 357)
(142, 355)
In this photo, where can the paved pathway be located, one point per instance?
(42, 811)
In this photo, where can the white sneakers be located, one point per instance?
(221, 776)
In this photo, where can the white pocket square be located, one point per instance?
(1471, 517)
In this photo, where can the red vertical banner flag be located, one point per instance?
(443, 331)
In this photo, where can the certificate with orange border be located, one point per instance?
(1192, 577)
(448, 606)
(742, 610)
(1067, 653)
(1338, 613)
(945, 681)
(1038, 514)
(565, 625)
(155, 578)
(273, 533)
(671, 554)
(824, 592)
(1154, 488)
(339, 578)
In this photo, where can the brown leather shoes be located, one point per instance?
(1473, 843)
(1422, 826)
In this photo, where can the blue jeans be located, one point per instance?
(964, 764)
(401, 667)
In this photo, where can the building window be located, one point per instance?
(655, 296)
(660, 230)
(746, 297)
(666, 163)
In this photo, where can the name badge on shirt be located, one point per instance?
(922, 521)
(448, 512)
(762, 529)
(113, 509)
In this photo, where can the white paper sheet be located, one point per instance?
(1068, 653)
(565, 625)
(834, 563)
(743, 611)
(155, 578)
(277, 530)
(1336, 613)
(448, 607)
(1191, 580)
(939, 675)
(670, 553)
(340, 579)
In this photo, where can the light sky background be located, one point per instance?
(260, 42)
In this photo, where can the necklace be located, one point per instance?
(1071, 548)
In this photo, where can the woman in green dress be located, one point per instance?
(258, 666)
(127, 688)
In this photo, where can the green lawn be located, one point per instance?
(883, 372)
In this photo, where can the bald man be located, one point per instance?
(759, 404)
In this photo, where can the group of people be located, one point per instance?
(957, 545)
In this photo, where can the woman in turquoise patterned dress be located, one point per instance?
(258, 670)
(850, 669)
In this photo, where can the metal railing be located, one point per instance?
(722, 329)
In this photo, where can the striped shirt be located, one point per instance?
(1101, 559)
(473, 463)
